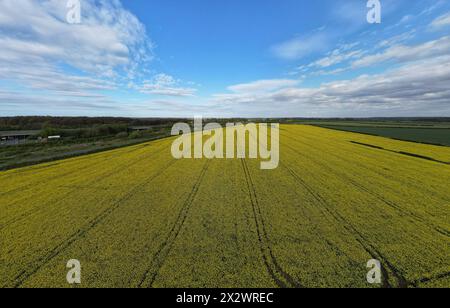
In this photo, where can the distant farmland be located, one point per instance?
(436, 136)
(135, 217)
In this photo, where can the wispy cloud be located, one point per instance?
(42, 76)
(404, 53)
(108, 39)
(337, 56)
(441, 22)
(397, 92)
(21, 103)
(263, 85)
(166, 85)
(42, 52)
(397, 39)
(85, 68)
(302, 46)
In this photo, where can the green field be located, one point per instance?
(437, 136)
(32, 152)
(135, 217)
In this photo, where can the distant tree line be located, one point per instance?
(87, 132)
(109, 125)
(93, 125)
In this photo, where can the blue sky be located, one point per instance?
(245, 58)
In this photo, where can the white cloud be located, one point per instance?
(108, 38)
(397, 39)
(300, 47)
(45, 77)
(354, 53)
(406, 18)
(38, 45)
(413, 89)
(343, 53)
(403, 53)
(166, 85)
(433, 7)
(350, 52)
(21, 103)
(441, 22)
(263, 85)
(336, 57)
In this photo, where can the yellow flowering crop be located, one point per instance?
(136, 217)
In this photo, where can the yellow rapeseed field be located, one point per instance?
(136, 217)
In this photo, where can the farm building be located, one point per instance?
(140, 128)
(15, 137)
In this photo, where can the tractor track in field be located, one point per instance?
(364, 166)
(369, 248)
(355, 162)
(395, 206)
(73, 189)
(165, 248)
(416, 283)
(35, 266)
(399, 209)
(56, 177)
(279, 276)
(332, 246)
(375, 147)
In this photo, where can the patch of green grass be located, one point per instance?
(437, 136)
(35, 153)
